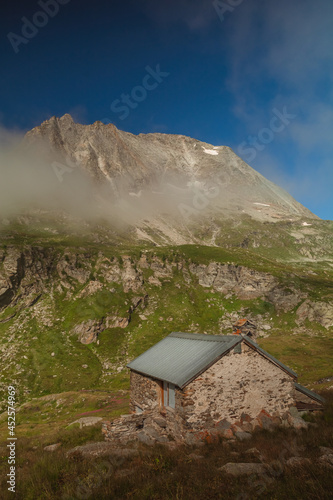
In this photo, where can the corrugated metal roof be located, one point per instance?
(310, 394)
(269, 356)
(180, 357)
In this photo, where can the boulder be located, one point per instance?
(194, 456)
(87, 421)
(243, 436)
(254, 452)
(223, 425)
(102, 449)
(326, 459)
(144, 438)
(88, 331)
(52, 447)
(265, 420)
(321, 312)
(297, 423)
(295, 462)
(244, 469)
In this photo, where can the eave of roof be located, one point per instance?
(310, 394)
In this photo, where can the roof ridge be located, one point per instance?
(205, 337)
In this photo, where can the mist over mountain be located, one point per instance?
(156, 173)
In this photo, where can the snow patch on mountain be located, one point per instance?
(210, 151)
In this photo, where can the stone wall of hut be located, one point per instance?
(237, 384)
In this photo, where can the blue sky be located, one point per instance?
(256, 75)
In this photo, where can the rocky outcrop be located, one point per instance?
(88, 331)
(117, 322)
(121, 272)
(12, 274)
(34, 271)
(245, 283)
(23, 274)
(320, 312)
(132, 279)
(225, 278)
(72, 266)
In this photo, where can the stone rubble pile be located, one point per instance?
(152, 427)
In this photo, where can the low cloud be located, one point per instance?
(33, 179)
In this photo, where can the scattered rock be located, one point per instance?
(295, 462)
(87, 421)
(102, 449)
(298, 423)
(254, 452)
(194, 456)
(145, 438)
(243, 436)
(52, 447)
(152, 280)
(325, 451)
(223, 425)
(326, 458)
(91, 288)
(244, 469)
(235, 454)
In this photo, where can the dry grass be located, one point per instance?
(159, 473)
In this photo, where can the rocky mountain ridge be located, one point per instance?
(172, 167)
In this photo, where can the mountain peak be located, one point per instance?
(66, 118)
(186, 168)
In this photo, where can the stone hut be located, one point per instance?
(193, 384)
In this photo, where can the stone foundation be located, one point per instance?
(151, 427)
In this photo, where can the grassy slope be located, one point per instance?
(176, 306)
(76, 391)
